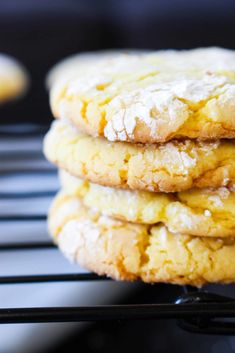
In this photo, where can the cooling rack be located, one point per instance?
(195, 310)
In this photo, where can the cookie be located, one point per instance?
(13, 78)
(204, 212)
(171, 167)
(126, 251)
(75, 64)
(151, 97)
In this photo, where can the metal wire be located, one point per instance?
(116, 312)
(68, 277)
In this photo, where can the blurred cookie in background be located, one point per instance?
(14, 79)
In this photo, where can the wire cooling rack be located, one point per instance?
(195, 310)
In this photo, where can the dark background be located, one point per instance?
(41, 32)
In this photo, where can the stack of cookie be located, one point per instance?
(147, 165)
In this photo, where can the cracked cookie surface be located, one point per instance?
(152, 97)
(204, 212)
(170, 167)
(130, 251)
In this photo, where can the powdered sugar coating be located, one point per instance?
(169, 167)
(152, 97)
(133, 251)
(162, 106)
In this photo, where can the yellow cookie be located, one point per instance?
(151, 97)
(75, 64)
(13, 78)
(129, 251)
(195, 212)
(171, 167)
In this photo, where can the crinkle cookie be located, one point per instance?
(151, 97)
(13, 78)
(130, 251)
(204, 212)
(77, 63)
(170, 167)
